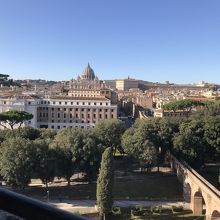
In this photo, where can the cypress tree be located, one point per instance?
(105, 180)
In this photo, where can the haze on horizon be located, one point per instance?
(152, 40)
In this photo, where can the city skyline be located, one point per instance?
(155, 41)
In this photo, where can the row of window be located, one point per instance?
(71, 103)
(66, 103)
(82, 109)
(59, 115)
(59, 127)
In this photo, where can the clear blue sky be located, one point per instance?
(154, 40)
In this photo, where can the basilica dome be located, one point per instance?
(88, 73)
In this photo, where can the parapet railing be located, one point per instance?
(184, 165)
(32, 209)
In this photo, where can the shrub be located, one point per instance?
(177, 208)
(116, 211)
(166, 210)
(139, 211)
(156, 209)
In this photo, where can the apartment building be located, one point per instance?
(60, 112)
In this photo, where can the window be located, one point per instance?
(52, 121)
(83, 103)
(42, 102)
(106, 110)
(29, 103)
(48, 102)
(71, 115)
(60, 103)
(77, 103)
(94, 103)
(58, 109)
(45, 102)
(54, 103)
(52, 109)
(100, 115)
(100, 103)
(82, 115)
(71, 103)
(71, 121)
(94, 116)
(76, 109)
(58, 115)
(88, 115)
(29, 122)
(100, 109)
(112, 110)
(64, 115)
(106, 103)
(106, 116)
(58, 127)
(52, 115)
(52, 126)
(89, 103)
(71, 109)
(5, 102)
(65, 103)
(76, 115)
(112, 116)
(64, 109)
(82, 109)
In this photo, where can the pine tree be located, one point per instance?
(105, 180)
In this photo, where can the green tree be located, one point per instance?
(185, 105)
(157, 133)
(68, 143)
(16, 161)
(212, 134)
(44, 161)
(13, 117)
(105, 184)
(84, 147)
(65, 166)
(109, 133)
(47, 134)
(190, 143)
(26, 132)
(91, 154)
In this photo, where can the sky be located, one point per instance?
(153, 40)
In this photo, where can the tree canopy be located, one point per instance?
(13, 117)
(186, 105)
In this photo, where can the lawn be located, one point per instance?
(137, 186)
